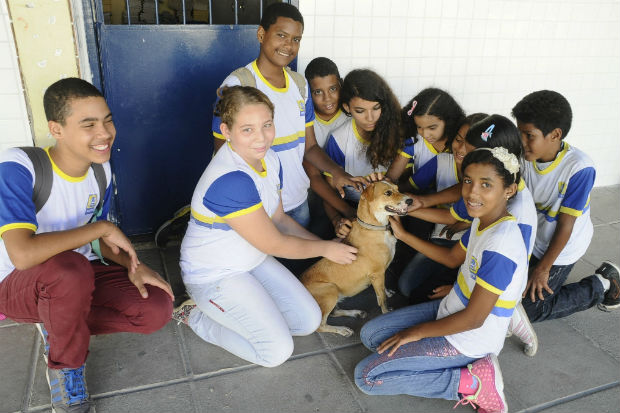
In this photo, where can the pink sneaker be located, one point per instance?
(489, 397)
(521, 327)
(2, 317)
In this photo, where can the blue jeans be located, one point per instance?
(301, 214)
(430, 367)
(566, 299)
(421, 268)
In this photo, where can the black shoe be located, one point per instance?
(174, 228)
(611, 272)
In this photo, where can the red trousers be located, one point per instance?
(74, 298)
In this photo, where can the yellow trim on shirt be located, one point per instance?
(488, 286)
(456, 170)
(16, 225)
(204, 218)
(555, 163)
(430, 146)
(405, 154)
(462, 245)
(262, 162)
(218, 136)
(272, 87)
(327, 174)
(571, 211)
(221, 220)
(61, 173)
(357, 134)
(521, 185)
(243, 211)
(456, 216)
(502, 219)
(463, 285)
(328, 122)
(413, 183)
(290, 138)
(309, 123)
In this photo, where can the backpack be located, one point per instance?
(43, 178)
(246, 78)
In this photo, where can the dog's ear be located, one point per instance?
(368, 193)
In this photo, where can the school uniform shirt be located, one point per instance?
(562, 186)
(440, 172)
(228, 188)
(496, 260)
(346, 147)
(521, 206)
(71, 203)
(418, 153)
(292, 115)
(323, 128)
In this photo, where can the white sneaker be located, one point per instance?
(521, 327)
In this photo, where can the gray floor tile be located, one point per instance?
(16, 343)
(174, 398)
(311, 384)
(600, 327)
(604, 203)
(605, 245)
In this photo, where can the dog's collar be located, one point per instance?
(373, 227)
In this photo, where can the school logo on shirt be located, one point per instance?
(302, 107)
(561, 189)
(91, 204)
(473, 267)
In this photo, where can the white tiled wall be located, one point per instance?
(14, 125)
(487, 53)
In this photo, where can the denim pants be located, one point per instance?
(75, 298)
(429, 368)
(421, 268)
(566, 299)
(301, 214)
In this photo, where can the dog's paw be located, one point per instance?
(389, 292)
(362, 314)
(344, 331)
(387, 309)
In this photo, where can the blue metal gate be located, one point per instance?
(160, 82)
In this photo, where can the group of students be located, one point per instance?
(510, 204)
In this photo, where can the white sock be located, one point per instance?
(606, 283)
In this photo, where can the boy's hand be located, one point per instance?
(340, 253)
(418, 202)
(117, 241)
(397, 228)
(537, 282)
(377, 177)
(440, 291)
(403, 337)
(342, 179)
(452, 229)
(144, 275)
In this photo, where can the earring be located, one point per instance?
(227, 140)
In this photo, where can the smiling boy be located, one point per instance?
(560, 178)
(49, 273)
(279, 34)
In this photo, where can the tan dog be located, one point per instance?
(328, 282)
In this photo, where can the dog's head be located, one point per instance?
(380, 200)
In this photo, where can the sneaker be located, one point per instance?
(46, 344)
(521, 327)
(182, 312)
(489, 397)
(609, 271)
(174, 227)
(68, 390)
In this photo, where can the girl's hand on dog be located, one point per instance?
(440, 292)
(418, 202)
(376, 177)
(397, 228)
(340, 253)
(343, 227)
(403, 337)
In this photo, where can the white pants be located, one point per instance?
(255, 314)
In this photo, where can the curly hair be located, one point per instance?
(386, 139)
(546, 110)
(435, 102)
(233, 98)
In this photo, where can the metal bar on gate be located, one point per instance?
(260, 12)
(184, 15)
(128, 14)
(236, 12)
(210, 13)
(156, 13)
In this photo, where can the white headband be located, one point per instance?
(509, 160)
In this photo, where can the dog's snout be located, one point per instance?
(409, 201)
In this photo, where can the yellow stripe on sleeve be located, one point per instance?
(16, 225)
(488, 286)
(243, 211)
(571, 211)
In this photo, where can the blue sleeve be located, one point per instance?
(232, 193)
(526, 233)
(496, 270)
(408, 150)
(424, 177)
(17, 209)
(577, 196)
(309, 105)
(334, 152)
(459, 211)
(464, 241)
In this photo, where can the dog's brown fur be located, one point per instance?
(328, 281)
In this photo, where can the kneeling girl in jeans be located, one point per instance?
(448, 348)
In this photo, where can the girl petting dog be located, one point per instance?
(243, 299)
(448, 349)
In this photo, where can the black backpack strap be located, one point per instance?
(43, 178)
(101, 182)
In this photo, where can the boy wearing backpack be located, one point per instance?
(49, 217)
(279, 35)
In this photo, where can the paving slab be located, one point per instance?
(309, 384)
(16, 344)
(172, 398)
(605, 245)
(606, 401)
(604, 203)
